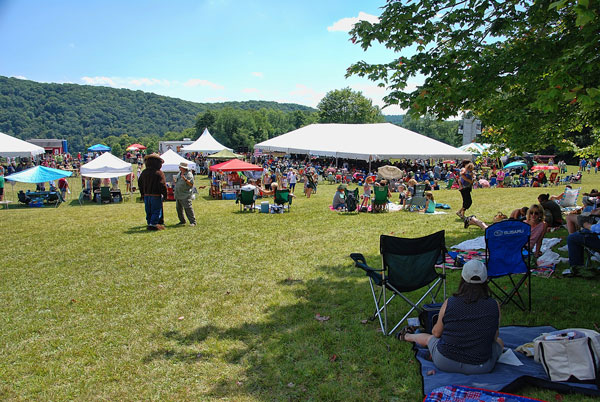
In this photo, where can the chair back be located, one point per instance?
(381, 195)
(506, 245)
(410, 263)
(247, 197)
(282, 196)
(493, 181)
(105, 193)
(420, 190)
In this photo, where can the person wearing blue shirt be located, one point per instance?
(576, 241)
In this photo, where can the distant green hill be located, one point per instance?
(84, 114)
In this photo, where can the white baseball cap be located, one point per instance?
(474, 271)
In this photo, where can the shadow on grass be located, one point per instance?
(318, 347)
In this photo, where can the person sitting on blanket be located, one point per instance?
(586, 237)
(338, 198)
(429, 203)
(519, 214)
(465, 337)
(535, 219)
(552, 210)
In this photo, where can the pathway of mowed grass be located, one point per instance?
(96, 307)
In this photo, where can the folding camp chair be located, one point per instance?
(351, 205)
(104, 196)
(283, 197)
(408, 265)
(380, 202)
(246, 200)
(507, 254)
(418, 200)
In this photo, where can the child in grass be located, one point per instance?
(429, 203)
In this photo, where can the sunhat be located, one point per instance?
(184, 165)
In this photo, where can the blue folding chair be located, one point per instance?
(508, 254)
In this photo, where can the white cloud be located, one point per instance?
(257, 74)
(306, 95)
(250, 91)
(100, 81)
(138, 82)
(346, 24)
(194, 82)
(20, 77)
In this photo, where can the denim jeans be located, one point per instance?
(575, 243)
(154, 209)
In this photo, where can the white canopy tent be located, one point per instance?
(106, 166)
(368, 142)
(13, 147)
(172, 160)
(205, 144)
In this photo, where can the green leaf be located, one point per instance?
(584, 3)
(557, 4)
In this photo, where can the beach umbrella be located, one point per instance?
(38, 174)
(543, 167)
(135, 147)
(99, 148)
(515, 164)
(389, 172)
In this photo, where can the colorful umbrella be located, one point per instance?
(449, 162)
(543, 167)
(235, 165)
(135, 147)
(515, 164)
(99, 148)
(38, 174)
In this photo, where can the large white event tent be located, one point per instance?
(172, 160)
(205, 144)
(106, 166)
(13, 147)
(368, 142)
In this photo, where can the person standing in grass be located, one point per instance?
(1, 183)
(153, 189)
(184, 184)
(466, 185)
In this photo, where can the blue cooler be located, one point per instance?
(264, 207)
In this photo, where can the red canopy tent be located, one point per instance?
(235, 165)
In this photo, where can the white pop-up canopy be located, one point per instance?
(361, 141)
(106, 166)
(206, 144)
(172, 160)
(13, 147)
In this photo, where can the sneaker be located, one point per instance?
(192, 224)
(160, 227)
(468, 220)
(151, 227)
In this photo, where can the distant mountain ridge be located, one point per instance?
(80, 113)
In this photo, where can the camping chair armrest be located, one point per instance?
(360, 262)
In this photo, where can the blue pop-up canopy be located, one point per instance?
(99, 148)
(38, 174)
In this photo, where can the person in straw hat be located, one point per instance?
(184, 184)
(153, 189)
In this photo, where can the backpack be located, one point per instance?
(351, 202)
(567, 353)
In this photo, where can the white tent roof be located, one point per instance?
(13, 147)
(106, 166)
(205, 143)
(361, 141)
(172, 160)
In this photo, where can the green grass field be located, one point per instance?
(94, 307)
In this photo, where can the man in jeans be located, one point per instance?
(184, 184)
(153, 189)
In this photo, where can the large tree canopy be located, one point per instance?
(528, 69)
(347, 106)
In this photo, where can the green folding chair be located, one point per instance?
(246, 200)
(283, 197)
(380, 202)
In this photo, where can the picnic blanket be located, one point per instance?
(457, 393)
(505, 377)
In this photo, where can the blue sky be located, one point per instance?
(202, 51)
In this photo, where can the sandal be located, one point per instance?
(401, 335)
(468, 220)
(461, 216)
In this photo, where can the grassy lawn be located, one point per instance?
(96, 307)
